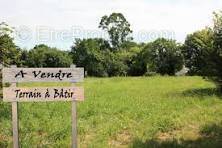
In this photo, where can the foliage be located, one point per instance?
(44, 56)
(5, 29)
(96, 56)
(90, 54)
(24, 57)
(161, 56)
(115, 64)
(1, 95)
(215, 59)
(197, 48)
(9, 53)
(117, 27)
(135, 61)
(218, 31)
(138, 65)
(203, 51)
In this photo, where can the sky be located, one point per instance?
(58, 22)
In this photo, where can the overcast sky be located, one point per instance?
(58, 22)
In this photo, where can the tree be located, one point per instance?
(8, 50)
(5, 29)
(44, 56)
(138, 64)
(97, 58)
(203, 51)
(218, 31)
(24, 57)
(196, 49)
(90, 54)
(115, 64)
(214, 68)
(117, 27)
(163, 56)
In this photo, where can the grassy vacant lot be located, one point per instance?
(125, 112)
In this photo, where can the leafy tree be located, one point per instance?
(97, 58)
(163, 56)
(24, 57)
(117, 27)
(44, 56)
(218, 31)
(5, 29)
(214, 68)
(196, 49)
(115, 64)
(129, 57)
(90, 54)
(203, 51)
(8, 50)
(138, 64)
(127, 45)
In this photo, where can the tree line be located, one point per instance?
(119, 55)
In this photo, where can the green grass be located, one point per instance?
(124, 112)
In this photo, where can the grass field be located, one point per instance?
(138, 112)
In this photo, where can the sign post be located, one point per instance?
(15, 94)
(74, 120)
(15, 123)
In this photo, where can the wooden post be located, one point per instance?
(15, 120)
(12, 75)
(74, 120)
